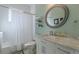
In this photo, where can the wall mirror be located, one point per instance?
(57, 16)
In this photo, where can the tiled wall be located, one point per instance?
(71, 27)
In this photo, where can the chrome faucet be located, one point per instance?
(51, 33)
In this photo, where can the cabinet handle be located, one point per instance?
(64, 50)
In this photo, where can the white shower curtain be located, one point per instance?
(24, 26)
(16, 27)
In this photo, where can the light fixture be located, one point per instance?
(9, 15)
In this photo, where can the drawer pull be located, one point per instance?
(64, 50)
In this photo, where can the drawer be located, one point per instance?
(64, 49)
(76, 52)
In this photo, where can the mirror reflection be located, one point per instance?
(56, 16)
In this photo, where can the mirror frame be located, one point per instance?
(66, 10)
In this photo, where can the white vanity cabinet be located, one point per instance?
(52, 48)
(46, 47)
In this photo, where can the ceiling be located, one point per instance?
(24, 7)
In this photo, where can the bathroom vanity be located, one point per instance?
(57, 45)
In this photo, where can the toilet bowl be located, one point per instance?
(29, 48)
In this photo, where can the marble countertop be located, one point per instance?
(65, 41)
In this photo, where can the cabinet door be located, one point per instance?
(48, 48)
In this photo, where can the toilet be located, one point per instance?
(29, 48)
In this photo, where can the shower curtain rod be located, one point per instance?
(18, 9)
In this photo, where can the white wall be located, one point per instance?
(4, 22)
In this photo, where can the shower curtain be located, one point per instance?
(16, 28)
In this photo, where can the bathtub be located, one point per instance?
(8, 48)
(27, 48)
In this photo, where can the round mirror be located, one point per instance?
(56, 16)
